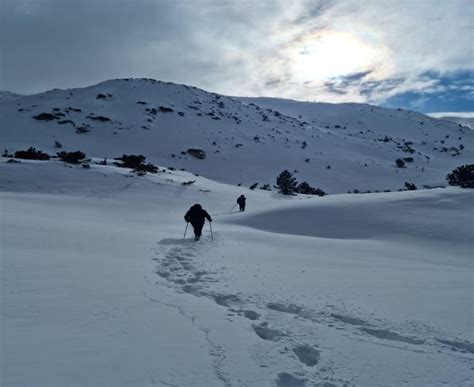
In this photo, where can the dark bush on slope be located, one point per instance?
(137, 163)
(400, 163)
(198, 153)
(286, 183)
(45, 117)
(462, 176)
(32, 154)
(409, 186)
(71, 157)
(305, 188)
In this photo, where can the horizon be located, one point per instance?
(384, 53)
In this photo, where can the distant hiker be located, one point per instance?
(241, 202)
(196, 215)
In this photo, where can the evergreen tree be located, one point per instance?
(305, 188)
(462, 176)
(286, 183)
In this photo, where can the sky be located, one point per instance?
(415, 54)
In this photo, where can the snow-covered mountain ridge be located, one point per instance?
(337, 147)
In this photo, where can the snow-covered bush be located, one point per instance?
(286, 183)
(462, 176)
(32, 154)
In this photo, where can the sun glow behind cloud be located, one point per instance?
(325, 55)
(399, 52)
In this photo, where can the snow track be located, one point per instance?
(96, 275)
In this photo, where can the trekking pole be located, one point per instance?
(186, 229)
(210, 225)
(234, 205)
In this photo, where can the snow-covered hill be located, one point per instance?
(465, 121)
(338, 148)
(99, 288)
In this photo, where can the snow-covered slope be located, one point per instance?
(99, 288)
(338, 148)
(465, 121)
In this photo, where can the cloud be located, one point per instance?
(326, 50)
(452, 114)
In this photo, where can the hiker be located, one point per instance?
(196, 215)
(241, 202)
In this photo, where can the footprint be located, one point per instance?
(350, 320)
(224, 300)
(288, 380)
(164, 274)
(251, 315)
(266, 333)
(290, 308)
(459, 345)
(388, 335)
(307, 355)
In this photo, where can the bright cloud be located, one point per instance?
(327, 50)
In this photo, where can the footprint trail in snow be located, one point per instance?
(290, 334)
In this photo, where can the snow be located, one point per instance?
(461, 118)
(99, 287)
(262, 136)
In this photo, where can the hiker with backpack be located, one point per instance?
(241, 202)
(197, 216)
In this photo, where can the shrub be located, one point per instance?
(71, 157)
(188, 182)
(99, 118)
(286, 183)
(45, 117)
(62, 122)
(165, 109)
(409, 186)
(137, 163)
(253, 186)
(305, 188)
(32, 154)
(130, 161)
(82, 130)
(462, 176)
(266, 187)
(197, 153)
(57, 144)
(400, 163)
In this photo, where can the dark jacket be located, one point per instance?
(197, 215)
(241, 199)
